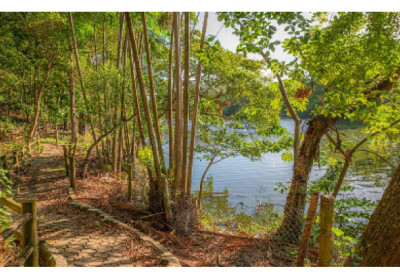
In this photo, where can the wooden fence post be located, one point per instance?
(305, 238)
(326, 234)
(72, 171)
(30, 234)
(66, 160)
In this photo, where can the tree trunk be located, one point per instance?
(135, 97)
(292, 113)
(72, 149)
(380, 242)
(195, 108)
(178, 105)
(91, 122)
(123, 128)
(143, 93)
(156, 193)
(202, 178)
(153, 93)
(96, 58)
(104, 38)
(170, 103)
(185, 111)
(296, 198)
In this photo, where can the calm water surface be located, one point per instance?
(251, 181)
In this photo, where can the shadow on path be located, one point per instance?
(83, 238)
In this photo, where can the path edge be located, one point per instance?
(50, 255)
(166, 256)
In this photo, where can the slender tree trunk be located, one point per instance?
(145, 103)
(292, 112)
(98, 141)
(195, 108)
(348, 154)
(203, 177)
(186, 104)
(131, 166)
(153, 93)
(116, 138)
(135, 96)
(170, 103)
(38, 96)
(96, 58)
(104, 38)
(75, 44)
(107, 140)
(72, 149)
(122, 116)
(178, 105)
(380, 242)
(341, 176)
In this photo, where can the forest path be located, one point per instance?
(82, 238)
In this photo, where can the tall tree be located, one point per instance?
(178, 105)
(195, 107)
(185, 111)
(158, 193)
(74, 139)
(152, 92)
(171, 140)
(321, 47)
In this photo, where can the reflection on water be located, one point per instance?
(249, 181)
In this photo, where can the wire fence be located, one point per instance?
(312, 237)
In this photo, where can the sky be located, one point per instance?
(230, 41)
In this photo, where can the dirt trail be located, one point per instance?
(82, 238)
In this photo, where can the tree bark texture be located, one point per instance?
(296, 198)
(380, 242)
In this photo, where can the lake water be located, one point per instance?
(251, 181)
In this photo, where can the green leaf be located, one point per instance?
(287, 157)
(338, 232)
